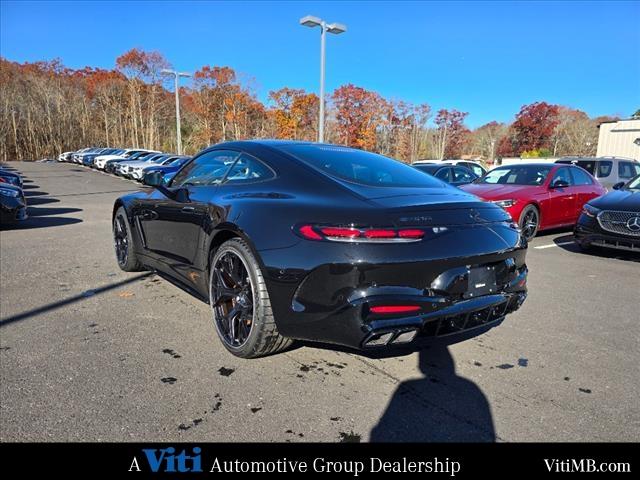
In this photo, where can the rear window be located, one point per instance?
(430, 169)
(358, 166)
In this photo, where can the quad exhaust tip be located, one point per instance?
(393, 337)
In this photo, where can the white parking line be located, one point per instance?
(553, 245)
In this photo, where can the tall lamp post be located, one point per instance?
(176, 76)
(336, 28)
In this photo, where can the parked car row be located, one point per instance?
(542, 196)
(131, 163)
(13, 205)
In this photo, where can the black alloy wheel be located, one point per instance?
(121, 240)
(240, 302)
(123, 243)
(529, 222)
(232, 299)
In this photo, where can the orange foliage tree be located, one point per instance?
(295, 114)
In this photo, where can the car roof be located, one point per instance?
(522, 164)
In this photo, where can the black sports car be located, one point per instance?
(612, 220)
(13, 206)
(292, 240)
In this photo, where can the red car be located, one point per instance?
(538, 196)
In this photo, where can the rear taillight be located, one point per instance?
(394, 309)
(362, 235)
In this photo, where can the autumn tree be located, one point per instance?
(358, 112)
(574, 134)
(295, 113)
(485, 139)
(143, 70)
(402, 130)
(451, 134)
(532, 129)
(213, 89)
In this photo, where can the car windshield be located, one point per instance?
(634, 184)
(358, 166)
(177, 162)
(517, 175)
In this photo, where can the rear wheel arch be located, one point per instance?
(225, 233)
(118, 203)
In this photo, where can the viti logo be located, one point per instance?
(166, 460)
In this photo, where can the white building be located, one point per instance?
(619, 139)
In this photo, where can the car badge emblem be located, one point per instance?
(633, 224)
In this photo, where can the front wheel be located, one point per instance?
(123, 243)
(240, 303)
(529, 222)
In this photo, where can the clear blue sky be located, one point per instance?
(486, 58)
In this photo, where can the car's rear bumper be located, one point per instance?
(333, 303)
(458, 317)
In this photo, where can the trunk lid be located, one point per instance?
(429, 206)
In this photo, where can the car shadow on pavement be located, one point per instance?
(66, 301)
(42, 222)
(41, 201)
(566, 243)
(438, 407)
(43, 217)
(35, 194)
(47, 211)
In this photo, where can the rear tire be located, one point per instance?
(123, 243)
(236, 284)
(529, 222)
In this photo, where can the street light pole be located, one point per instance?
(176, 76)
(335, 28)
(323, 27)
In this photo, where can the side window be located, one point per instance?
(474, 168)
(604, 169)
(588, 165)
(562, 174)
(627, 170)
(206, 169)
(248, 170)
(462, 175)
(443, 174)
(580, 177)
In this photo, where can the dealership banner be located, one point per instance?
(351, 460)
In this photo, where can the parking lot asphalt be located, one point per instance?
(90, 353)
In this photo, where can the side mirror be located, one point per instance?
(153, 179)
(618, 186)
(166, 180)
(559, 183)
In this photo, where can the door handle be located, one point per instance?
(189, 209)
